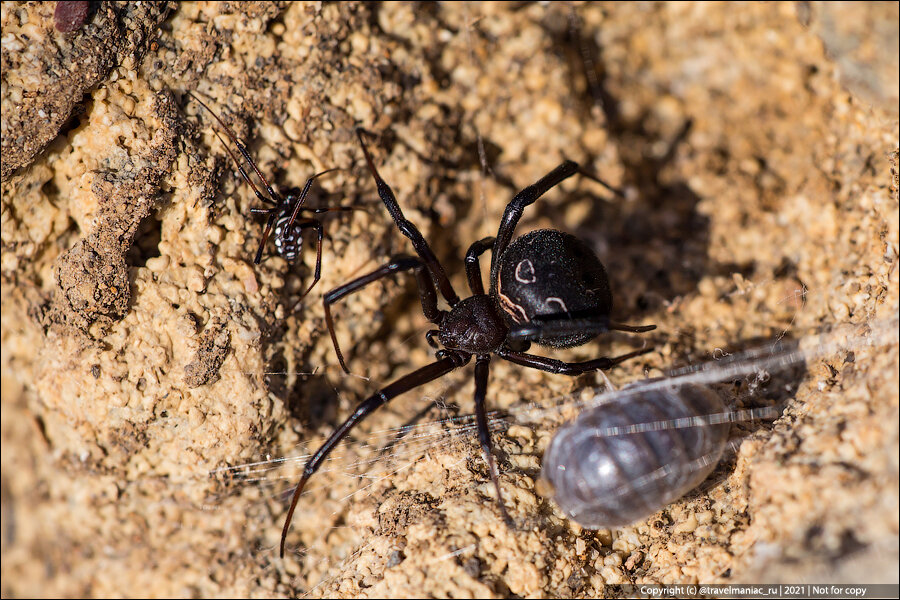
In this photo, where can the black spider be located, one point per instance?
(546, 286)
(282, 216)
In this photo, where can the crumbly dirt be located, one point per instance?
(48, 71)
(144, 353)
(215, 342)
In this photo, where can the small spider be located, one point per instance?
(282, 215)
(546, 286)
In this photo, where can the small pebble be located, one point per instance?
(70, 16)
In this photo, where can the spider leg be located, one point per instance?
(270, 222)
(582, 171)
(320, 232)
(631, 328)
(366, 407)
(473, 268)
(274, 196)
(328, 209)
(482, 368)
(403, 263)
(551, 327)
(517, 205)
(409, 230)
(302, 198)
(551, 365)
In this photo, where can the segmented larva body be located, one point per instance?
(622, 460)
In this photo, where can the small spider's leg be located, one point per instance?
(403, 263)
(473, 268)
(366, 407)
(270, 222)
(517, 205)
(585, 173)
(243, 173)
(320, 232)
(550, 327)
(409, 230)
(302, 198)
(482, 368)
(551, 365)
(631, 328)
(243, 149)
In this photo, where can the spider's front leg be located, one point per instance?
(427, 294)
(408, 229)
(516, 207)
(301, 198)
(528, 196)
(274, 197)
(272, 218)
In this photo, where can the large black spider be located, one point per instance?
(284, 218)
(546, 286)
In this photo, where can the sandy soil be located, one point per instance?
(142, 349)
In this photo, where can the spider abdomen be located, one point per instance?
(287, 243)
(622, 460)
(546, 275)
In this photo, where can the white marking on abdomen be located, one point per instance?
(520, 277)
(559, 301)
